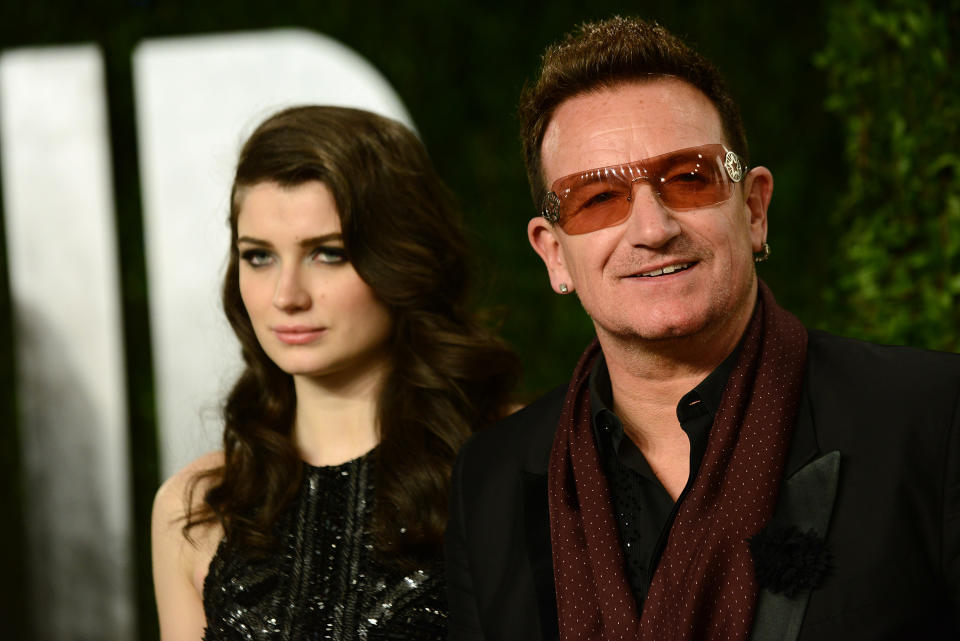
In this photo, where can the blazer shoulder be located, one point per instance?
(522, 439)
(879, 367)
(882, 398)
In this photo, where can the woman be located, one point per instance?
(322, 516)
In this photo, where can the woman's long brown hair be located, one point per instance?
(403, 236)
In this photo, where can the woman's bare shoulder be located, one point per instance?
(183, 494)
(186, 488)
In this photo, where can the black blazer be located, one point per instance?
(874, 464)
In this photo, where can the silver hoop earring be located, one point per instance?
(763, 254)
(563, 288)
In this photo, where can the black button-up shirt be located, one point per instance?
(643, 509)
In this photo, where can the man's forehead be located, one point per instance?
(627, 122)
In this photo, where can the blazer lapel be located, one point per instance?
(806, 502)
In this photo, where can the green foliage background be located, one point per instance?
(893, 83)
(854, 108)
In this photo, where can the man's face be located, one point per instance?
(711, 284)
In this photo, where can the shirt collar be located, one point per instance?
(706, 397)
(702, 399)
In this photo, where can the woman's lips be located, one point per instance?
(298, 335)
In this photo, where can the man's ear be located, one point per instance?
(545, 241)
(757, 191)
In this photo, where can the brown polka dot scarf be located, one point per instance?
(704, 585)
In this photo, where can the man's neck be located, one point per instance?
(648, 378)
(647, 385)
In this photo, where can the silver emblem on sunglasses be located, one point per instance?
(551, 208)
(733, 166)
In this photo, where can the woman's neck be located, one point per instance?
(336, 417)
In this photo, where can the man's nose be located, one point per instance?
(290, 293)
(651, 224)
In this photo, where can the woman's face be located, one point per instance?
(312, 313)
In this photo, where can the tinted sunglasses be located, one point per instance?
(684, 179)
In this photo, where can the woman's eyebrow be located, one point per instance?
(319, 240)
(250, 240)
(306, 242)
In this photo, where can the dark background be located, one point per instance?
(821, 89)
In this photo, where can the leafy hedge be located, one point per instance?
(893, 83)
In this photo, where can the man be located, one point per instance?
(712, 470)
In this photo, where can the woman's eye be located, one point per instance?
(330, 255)
(256, 257)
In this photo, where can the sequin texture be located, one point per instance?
(322, 581)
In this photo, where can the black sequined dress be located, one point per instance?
(322, 582)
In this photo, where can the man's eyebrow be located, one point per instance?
(306, 242)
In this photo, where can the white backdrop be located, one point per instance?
(59, 213)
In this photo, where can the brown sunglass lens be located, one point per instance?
(600, 198)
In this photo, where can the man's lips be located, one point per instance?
(666, 270)
(298, 334)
